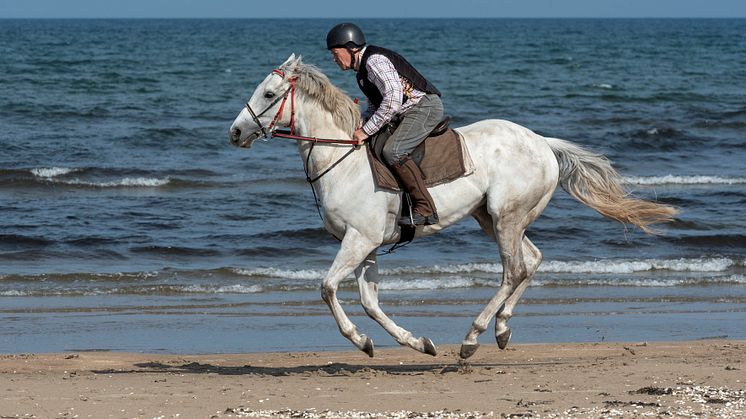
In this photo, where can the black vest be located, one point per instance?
(402, 67)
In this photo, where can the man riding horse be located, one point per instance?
(516, 173)
(397, 93)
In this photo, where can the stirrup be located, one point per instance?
(413, 220)
(417, 219)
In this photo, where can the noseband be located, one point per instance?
(267, 132)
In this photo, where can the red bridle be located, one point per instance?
(292, 81)
(270, 131)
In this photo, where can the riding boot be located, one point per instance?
(423, 207)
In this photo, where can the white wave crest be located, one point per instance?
(50, 172)
(630, 266)
(641, 282)
(606, 266)
(225, 289)
(447, 269)
(125, 182)
(14, 293)
(426, 284)
(303, 274)
(684, 180)
(611, 266)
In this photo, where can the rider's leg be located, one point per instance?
(416, 124)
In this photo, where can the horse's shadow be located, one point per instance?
(330, 370)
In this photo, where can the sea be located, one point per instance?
(128, 222)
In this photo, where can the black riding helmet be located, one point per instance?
(345, 35)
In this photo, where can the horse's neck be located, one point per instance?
(315, 122)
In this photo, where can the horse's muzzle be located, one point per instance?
(235, 138)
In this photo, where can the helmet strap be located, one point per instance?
(353, 57)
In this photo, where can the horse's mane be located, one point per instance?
(317, 87)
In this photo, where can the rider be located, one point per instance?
(395, 91)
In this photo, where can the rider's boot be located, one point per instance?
(423, 208)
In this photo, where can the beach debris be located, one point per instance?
(354, 414)
(687, 401)
(18, 356)
(653, 391)
(617, 403)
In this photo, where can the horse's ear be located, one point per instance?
(290, 61)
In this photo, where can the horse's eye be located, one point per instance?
(269, 95)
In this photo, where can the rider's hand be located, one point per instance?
(360, 136)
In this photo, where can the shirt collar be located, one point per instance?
(359, 58)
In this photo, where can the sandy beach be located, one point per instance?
(698, 378)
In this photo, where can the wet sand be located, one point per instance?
(700, 378)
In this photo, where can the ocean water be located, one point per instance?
(127, 221)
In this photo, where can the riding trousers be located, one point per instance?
(414, 126)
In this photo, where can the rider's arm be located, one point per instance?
(383, 74)
(369, 111)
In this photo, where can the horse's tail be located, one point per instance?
(591, 179)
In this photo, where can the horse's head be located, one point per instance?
(261, 113)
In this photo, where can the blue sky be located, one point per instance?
(356, 9)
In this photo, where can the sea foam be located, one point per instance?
(604, 266)
(125, 182)
(50, 172)
(610, 266)
(303, 274)
(641, 282)
(684, 180)
(225, 289)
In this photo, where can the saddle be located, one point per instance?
(442, 157)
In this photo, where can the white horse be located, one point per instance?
(516, 173)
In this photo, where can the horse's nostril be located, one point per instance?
(235, 133)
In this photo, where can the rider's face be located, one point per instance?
(342, 57)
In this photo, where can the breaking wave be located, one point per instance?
(607, 266)
(684, 180)
(50, 172)
(125, 182)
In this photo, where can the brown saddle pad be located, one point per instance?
(440, 158)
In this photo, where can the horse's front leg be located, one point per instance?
(355, 247)
(367, 279)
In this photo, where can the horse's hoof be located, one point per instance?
(468, 350)
(503, 338)
(367, 346)
(429, 348)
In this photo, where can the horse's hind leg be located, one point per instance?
(509, 235)
(533, 258)
(367, 278)
(355, 247)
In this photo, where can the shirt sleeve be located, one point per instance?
(369, 111)
(384, 75)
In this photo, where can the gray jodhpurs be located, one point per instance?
(415, 125)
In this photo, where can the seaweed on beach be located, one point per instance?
(653, 391)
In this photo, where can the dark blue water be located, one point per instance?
(125, 209)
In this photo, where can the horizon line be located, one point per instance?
(362, 18)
